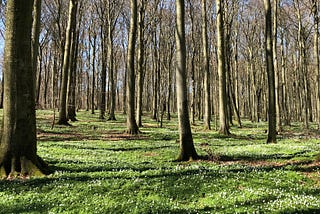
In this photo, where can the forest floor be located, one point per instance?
(99, 169)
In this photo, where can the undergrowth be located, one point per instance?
(100, 169)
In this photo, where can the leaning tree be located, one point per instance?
(18, 147)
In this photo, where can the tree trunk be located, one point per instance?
(316, 57)
(93, 84)
(206, 69)
(140, 62)
(132, 127)
(275, 61)
(111, 74)
(187, 150)
(270, 71)
(18, 147)
(71, 114)
(224, 126)
(63, 120)
(35, 43)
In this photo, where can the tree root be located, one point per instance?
(23, 168)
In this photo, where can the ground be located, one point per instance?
(100, 169)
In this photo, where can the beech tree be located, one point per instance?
(224, 125)
(270, 71)
(18, 147)
(206, 69)
(187, 150)
(63, 120)
(132, 127)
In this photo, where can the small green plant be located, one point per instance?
(104, 170)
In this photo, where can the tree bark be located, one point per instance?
(206, 69)
(187, 150)
(63, 120)
(224, 126)
(316, 56)
(35, 43)
(132, 127)
(270, 71)
(140, 61)
(275, 61)
(18, 147)
(71, 91)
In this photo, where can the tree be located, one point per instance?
(187, 150)
(132, 127)
(35, 42)
(63, 120)
(71, 89)
(270, 71)
(206, 70)
(141, 60)
(224, 126)
(316, 55)
(18, 147)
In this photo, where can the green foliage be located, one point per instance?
(100, 169)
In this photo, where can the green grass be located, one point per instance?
(99, 169)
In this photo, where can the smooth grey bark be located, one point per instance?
(35, 44)
(187, 149)
(63, 120)
(132, 127)
(270, 72)
(141, 60)
(224, 125)
(206, 69)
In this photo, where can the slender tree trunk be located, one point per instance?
(103, 75)
(111, 74)
(35, 42)
(140, 62)
(224, 126)
(18, 147)
(316, 56)
(270, 71)
(63, 120)
(206, 69)
(187, 150)
(71, 114)
(93, 84)
(132, 127)
(275, 61)
(155, 79)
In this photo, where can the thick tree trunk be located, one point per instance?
(18, 147)
(270, 71)
(187, 150)
(224, 126)
(132, 127)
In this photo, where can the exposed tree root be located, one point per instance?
(133, 131)
(63, 123)
(23, 168)
(112, 118)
